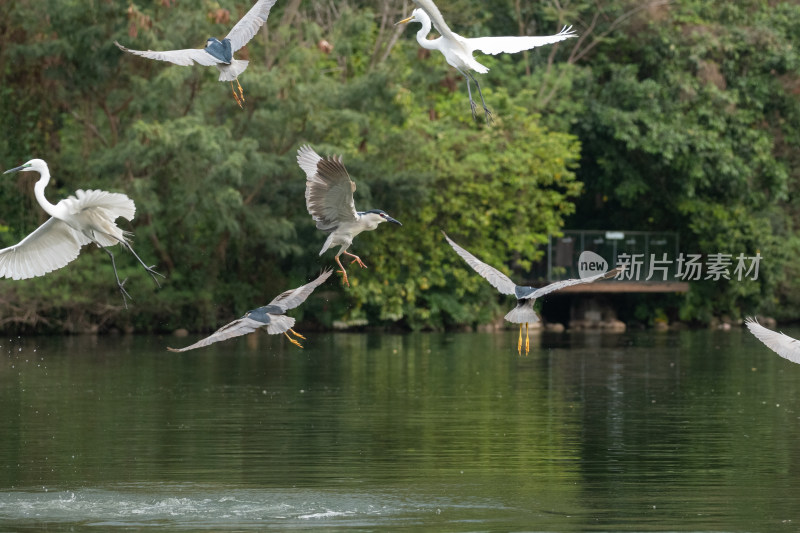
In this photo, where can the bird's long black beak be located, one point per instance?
(404, 21)
(10, 170)
(390, 219)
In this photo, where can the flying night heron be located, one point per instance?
(87, 217)
(523, 313)
(329, 200)
(780, 343)
(218, 53)
(270, 316)
(458, 50)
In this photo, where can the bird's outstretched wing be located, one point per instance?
(51, 246)
(498, 280)
(246, 28)
(329, 189)
(237, 328)
(512, 45)
(438, 20)
(294, 297)
(558, 285)
(780, 343)
(179, 57)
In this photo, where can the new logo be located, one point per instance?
(591, 264)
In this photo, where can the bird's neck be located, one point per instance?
(422, 34)
(38, 190)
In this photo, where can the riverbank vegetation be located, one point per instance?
(675, 116)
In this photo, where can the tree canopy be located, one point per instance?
(662, 115)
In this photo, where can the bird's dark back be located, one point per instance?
(262, 313)
(220, 50)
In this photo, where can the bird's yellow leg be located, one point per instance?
(236, 96)
(356, 259)
(527, 340)
(296, 334)
(342, 271)
(519, 342)
(241, 91)
(293, 341)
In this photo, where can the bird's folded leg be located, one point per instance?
(356, 259)
(148, 269)
(296, 334)
(342, 272)
(236, 96)
(120, 284)
(519, 342)
(293, 341)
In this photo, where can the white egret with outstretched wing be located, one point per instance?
(458, 50)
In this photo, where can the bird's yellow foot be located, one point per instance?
(293, 341)
(527, 340)
(296, 334)
(345, 281)
(241, 91)
(236, 96)
(359, 261)
(519, 342)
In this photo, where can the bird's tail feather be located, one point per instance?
(232, 71)
(279, 324)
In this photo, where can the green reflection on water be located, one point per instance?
(691, 430)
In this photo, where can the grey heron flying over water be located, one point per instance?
(87, 217)
(523, 313)
(270, 316)
(329, 200)
(458, 50)
(218, 53)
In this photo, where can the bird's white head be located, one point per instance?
(418, 15)
(34, 165)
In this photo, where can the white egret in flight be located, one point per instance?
(526, 296)
(329, 200)
(780, 343)
(457, 50)
(218, 53)
(87, 217)
(270, 316)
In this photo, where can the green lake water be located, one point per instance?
(642, 431)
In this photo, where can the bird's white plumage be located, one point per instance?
(185, 57)
(329, 190)
(497, 279)
(237, 328)
(780, 343)
(294, 297)
(278, 323)
(514, 44)
(558, 285)
(51, 246)
(438, 20)
(248, 26)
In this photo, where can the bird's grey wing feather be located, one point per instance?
(780, 343)
(438, 20)
(558, 285)
(179, 57)
(237, 328)
(248, 26)
(498, 280)
(51, 246)
(294, 297)
(329, 189)
(512, 45)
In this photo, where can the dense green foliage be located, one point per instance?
(671, 116)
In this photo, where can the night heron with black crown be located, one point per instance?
(458, 50)
(270, 317)
(218, 53)
(523, 313)
(329, 200)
